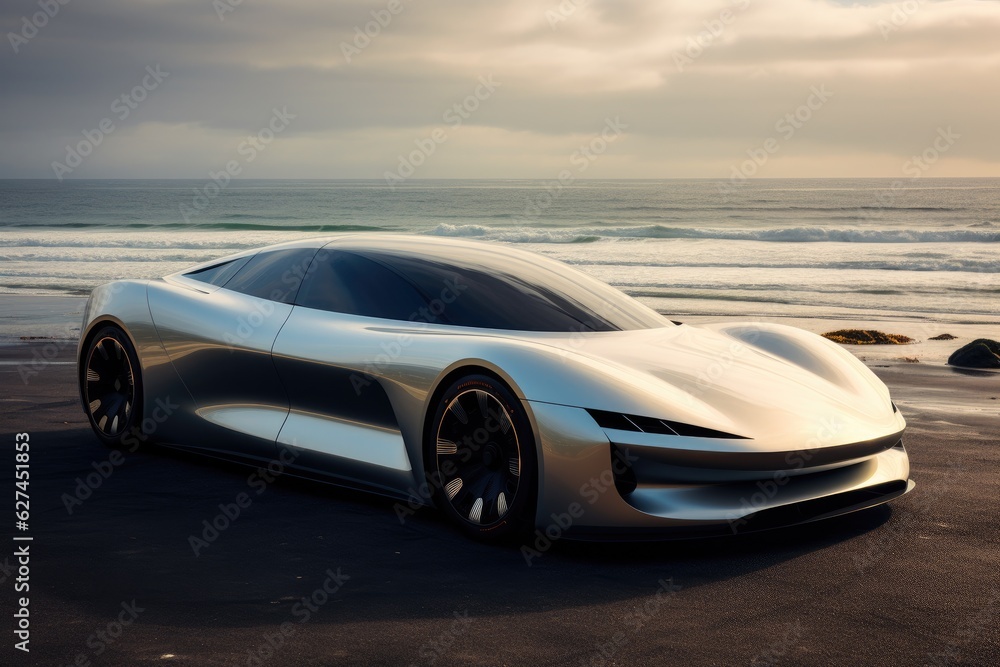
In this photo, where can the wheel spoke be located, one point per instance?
(459, 411)
(103, 404)
(123, 410)
(112, 409)
(482, 398)
(453, 487)
(477, 510)
(446, 447)
(504, 421)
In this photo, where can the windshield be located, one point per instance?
(478, 287)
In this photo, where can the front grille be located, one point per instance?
(819, 508)
(636, 423)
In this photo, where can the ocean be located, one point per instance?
(839, 248)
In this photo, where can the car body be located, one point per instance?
(340, 357)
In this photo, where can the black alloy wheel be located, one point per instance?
(481, 459)
(110, 386)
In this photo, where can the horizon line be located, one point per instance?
(515, 178)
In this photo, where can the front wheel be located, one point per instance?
(480, 459)
(111, 386)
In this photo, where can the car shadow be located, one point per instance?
(162, 528)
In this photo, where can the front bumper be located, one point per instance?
(591, 488)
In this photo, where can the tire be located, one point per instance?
(480, 459)
(111, 387)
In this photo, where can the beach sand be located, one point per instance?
(49, 317)
(915, 582)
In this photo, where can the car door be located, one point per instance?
(219, 339)
(342, 420)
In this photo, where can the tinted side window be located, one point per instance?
(220, 273)
(346, 282)
(492, 299)
(275, 275)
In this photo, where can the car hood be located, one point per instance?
(766, 382)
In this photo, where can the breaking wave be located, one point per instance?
(779, 235)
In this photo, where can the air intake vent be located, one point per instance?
(636, 423)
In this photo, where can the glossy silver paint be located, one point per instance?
(349, 397)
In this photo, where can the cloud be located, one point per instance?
(699, 84)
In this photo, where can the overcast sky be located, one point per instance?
(692, 89)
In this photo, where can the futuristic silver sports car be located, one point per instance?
(510, 390)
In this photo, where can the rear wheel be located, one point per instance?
(480, 459)
(110, 385)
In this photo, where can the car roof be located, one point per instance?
(408, 244)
